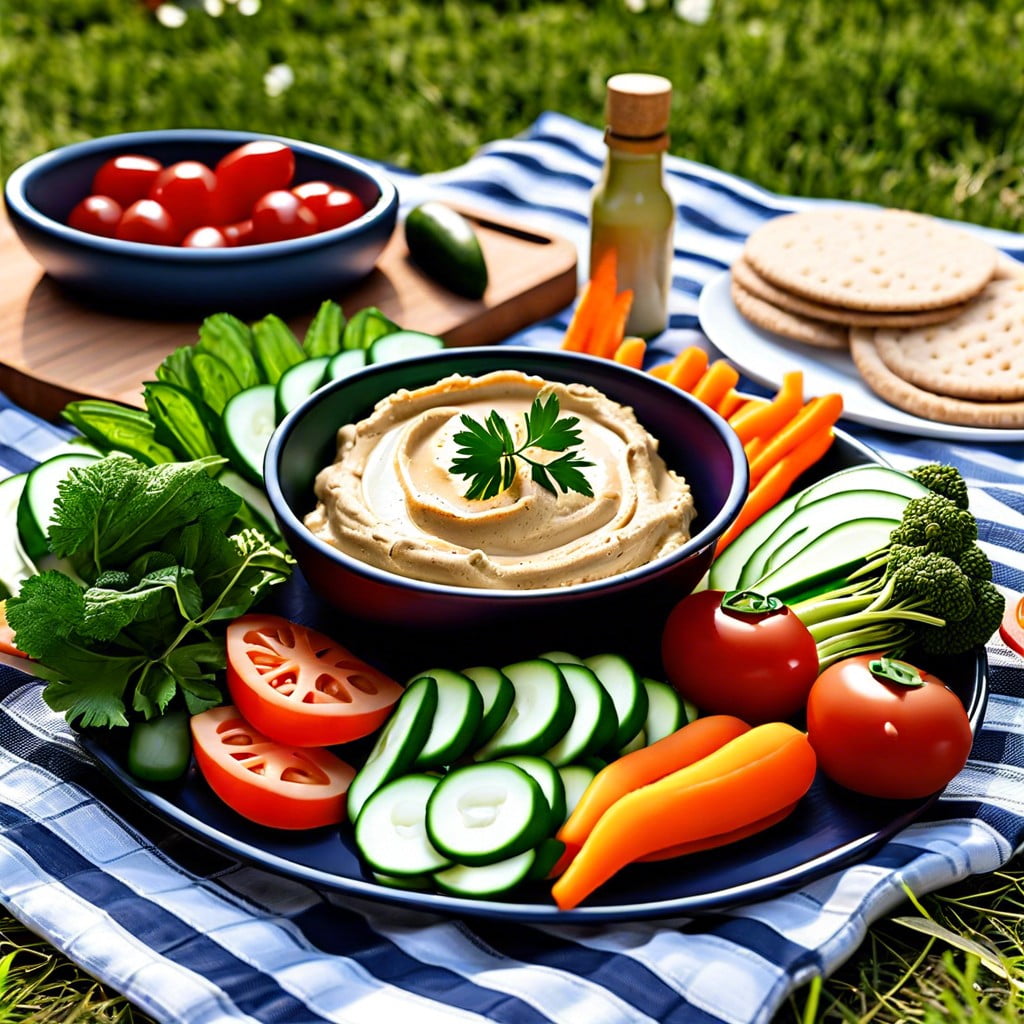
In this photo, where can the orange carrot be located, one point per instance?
(595, 300)
(662, 370)
(769, 418)
(752, 447)
(611, 329)
(731, 401)
(688, 367)
(747, 408)
(713, 842)
(776, 482)
(719, 378)
(751, 777)
(7, 644)
(648, 764)
(631, 352)
(816, 417)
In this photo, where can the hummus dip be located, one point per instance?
(392, 501)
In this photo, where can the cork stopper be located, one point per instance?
(637, 111)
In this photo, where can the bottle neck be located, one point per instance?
(637, 169)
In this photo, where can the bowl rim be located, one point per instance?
(18, 203)
(708, 534)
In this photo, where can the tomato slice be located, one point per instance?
(270, 783)
(1012, 627)
(300, 687)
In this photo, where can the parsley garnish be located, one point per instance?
(487, 453)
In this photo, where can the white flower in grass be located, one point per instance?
(248, 7)
(636, 6)
(214, 8)
(170, 15)
(278, 79)
(696, 12)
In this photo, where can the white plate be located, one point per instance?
(765, 357)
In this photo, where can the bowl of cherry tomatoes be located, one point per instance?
(187, 221)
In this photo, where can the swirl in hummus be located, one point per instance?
(391, 500)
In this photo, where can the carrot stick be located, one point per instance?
(817, 416)
(611, 329)
(662, 370)
(719, 378)
(747, 408)
(631, 352)
(770, 418)
(731, 401)
(595, 299)
(774, 485)
(688, 367)
(753, 446)
(751, 777)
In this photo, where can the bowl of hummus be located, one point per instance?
(503, 487)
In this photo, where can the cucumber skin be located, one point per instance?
(444, 245)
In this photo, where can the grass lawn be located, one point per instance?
(901, 102)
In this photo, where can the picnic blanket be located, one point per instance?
(193, 936)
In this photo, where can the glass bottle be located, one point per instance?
(631, 210)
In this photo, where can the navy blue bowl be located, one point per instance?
(620, 612)
(171, 281)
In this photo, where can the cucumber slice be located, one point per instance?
(561, 658)
(411, 883)
(628, 696)
(297, 383)
(546, 776)
(483, 813)
(403, 345)
(547, 855)
(456, 720)
(391, 832)
(638, 742)
(249, 420)
(15, 565)
(575, 779)
(540, 715)
(345, 362)
(397, 744)
(487, 880)
(667, 712)
(498, 693)
(39, 497)
(594, 723)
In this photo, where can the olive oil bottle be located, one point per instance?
(631, 209)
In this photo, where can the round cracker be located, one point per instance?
(747, 277)
(918, 402)
(979, 355)
(868, 259)
(789, 325)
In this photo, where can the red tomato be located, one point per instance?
(99, 215)
(147, 221)
(740, 654)
(186, 191)
(280, 215)
(126, 178)
(883, 738)
(250, 171)
(268, 782)
(1012, 627)
(206, 237)
(333, 207)
(300, 687)
(239, 233)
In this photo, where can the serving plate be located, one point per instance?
(765, 356)
(829, 829)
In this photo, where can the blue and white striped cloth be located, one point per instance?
(197, 938)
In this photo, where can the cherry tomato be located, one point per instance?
(186, 191)
(206, 237)
(740, 654)
(147, 221)
(1011, 629)
(300, 687)
(99, 215)
(333, 207)
(280, 215)
(882, 737)
(126, 178)
(250, 171)
(267, 782)
(239, 233)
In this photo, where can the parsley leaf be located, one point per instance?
(487, 452)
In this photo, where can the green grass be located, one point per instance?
(893, 101)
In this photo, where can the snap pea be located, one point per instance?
(365, 327)
(177, 368)
(323, 336)
(178, 420)
(228, 338)
(113, 427)
(159, 750)
(276, 347)
(216, 380)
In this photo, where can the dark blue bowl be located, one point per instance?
(171, 281)
(623, 610)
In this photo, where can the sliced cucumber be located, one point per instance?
(39, 497)
(541, 713)
(483, 813)
(548, 854)
(867, 477)
(255, 497)
(411, 883)
(628, 696)
(397, 744)
(498, 693)
(575, 779)
(15, 565)
(638, 742)
(546, 776)
(486, 880)
(391, 832)
(561, 658)
(249, 420)
(345, 363)
(456, 720)
(594, 723)
(297, 383)
(667, 712)
(403, 345)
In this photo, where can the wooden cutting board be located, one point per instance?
(54, 349)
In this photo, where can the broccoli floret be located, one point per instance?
(975, 563)
(973, 631)
(944, 480)
(935, 585)
(935, 523)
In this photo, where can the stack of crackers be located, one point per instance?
(933, 317)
